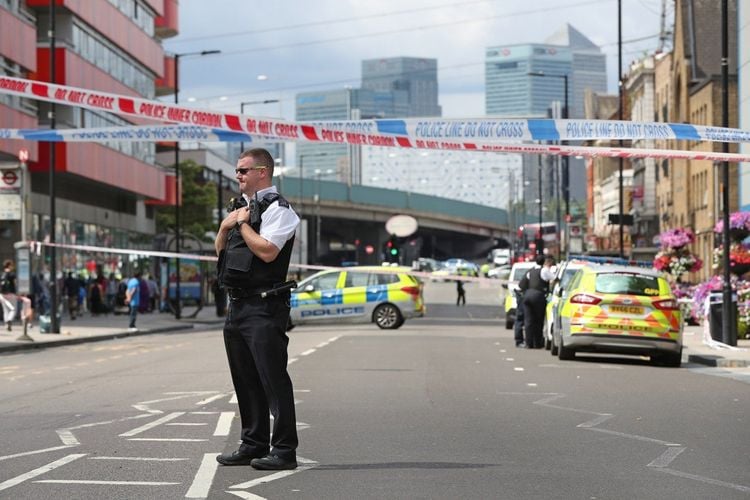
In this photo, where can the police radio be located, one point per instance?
(235, 203)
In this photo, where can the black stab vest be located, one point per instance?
(238, 267)
(536, 282)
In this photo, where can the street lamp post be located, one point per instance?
(318, 173)
(566, 165)
(178, 309)
(302, 157)
(250, 103)
(539, 243)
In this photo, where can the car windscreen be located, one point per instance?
(627, 284)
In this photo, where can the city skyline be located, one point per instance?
(299, 51)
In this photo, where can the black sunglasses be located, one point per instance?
(245, 170)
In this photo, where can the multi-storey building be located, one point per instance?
(639, 86)
(696, 98)
(415, 75)
(398, 87)
(514, 87)
(103, 192)
(743, 69)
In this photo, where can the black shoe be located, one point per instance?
(273, 462)
(243, 456)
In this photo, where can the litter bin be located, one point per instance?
(45, 323)
(716, 314)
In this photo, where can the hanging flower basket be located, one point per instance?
(739, 226)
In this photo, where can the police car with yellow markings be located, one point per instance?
(387, 296)
(619, 310)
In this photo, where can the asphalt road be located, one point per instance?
(445, 407)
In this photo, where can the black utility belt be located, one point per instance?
(248, 293)
(243, 293)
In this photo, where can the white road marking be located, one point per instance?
(188, 424)
(233, 399)
(271, 477)
(171, 440)
(143, 459)
(518, 369)
(212, 398)
(67, 437)
(301, 390)
(708, 480)
(333, 339)
(531, 384)
(204, 412)
(117, 483)
(39, 471)
(151, 425)
(246, 495)
(598, 420)
(307, 352)
(291, 360)
(204, 477)
(224, 424)
(510, 359)
(322, 344)
(632, 436)
(666, 458)
(34, 452)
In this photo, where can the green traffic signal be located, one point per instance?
(394, 251)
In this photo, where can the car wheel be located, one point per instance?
(565, 353)
(387, 317)
(553, 345)
(670, 359)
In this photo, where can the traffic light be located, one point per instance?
(391, 249)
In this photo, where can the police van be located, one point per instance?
(385, 296)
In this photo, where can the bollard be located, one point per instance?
(25, 334)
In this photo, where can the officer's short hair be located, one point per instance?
(261, 157)
(540, 260)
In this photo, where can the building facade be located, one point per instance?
(103, 192)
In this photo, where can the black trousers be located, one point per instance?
(518, 323)
(256, 343)
(534, 304)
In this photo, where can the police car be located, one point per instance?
(383, 295)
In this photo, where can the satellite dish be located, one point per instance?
(401, 225)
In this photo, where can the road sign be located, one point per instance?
(10, 178)
(23, 155)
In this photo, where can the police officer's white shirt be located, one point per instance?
(278, 224)
(548, 273)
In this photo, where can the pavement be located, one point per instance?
(88, 328)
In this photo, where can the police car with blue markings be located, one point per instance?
(385, 296)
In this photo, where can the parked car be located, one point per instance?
(619, 310)
(563, 275)
(517, 272)
(386, 296)
(499, 272)
(457, 267)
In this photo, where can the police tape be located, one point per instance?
(470, 135)
(36, 248)
(161, 133)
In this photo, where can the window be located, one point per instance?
(326, 282)
(356, 279)
(628, 284)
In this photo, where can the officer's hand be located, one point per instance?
(230, 221)
(243, 214)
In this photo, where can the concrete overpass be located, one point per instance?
(352, 218)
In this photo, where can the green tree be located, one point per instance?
(198, 204)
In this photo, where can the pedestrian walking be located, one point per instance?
(9, 298)
(72, 287)
(254, 245)
(461, 297)
(132, 299)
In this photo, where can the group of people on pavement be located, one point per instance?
(531, 304)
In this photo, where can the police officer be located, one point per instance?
(254, 244)
(535, 286)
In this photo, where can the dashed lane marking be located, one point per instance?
(35, 452)
(141, 459)
(224, 424)
(666, 458)
(111, 483)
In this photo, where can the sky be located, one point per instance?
(270, 50)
